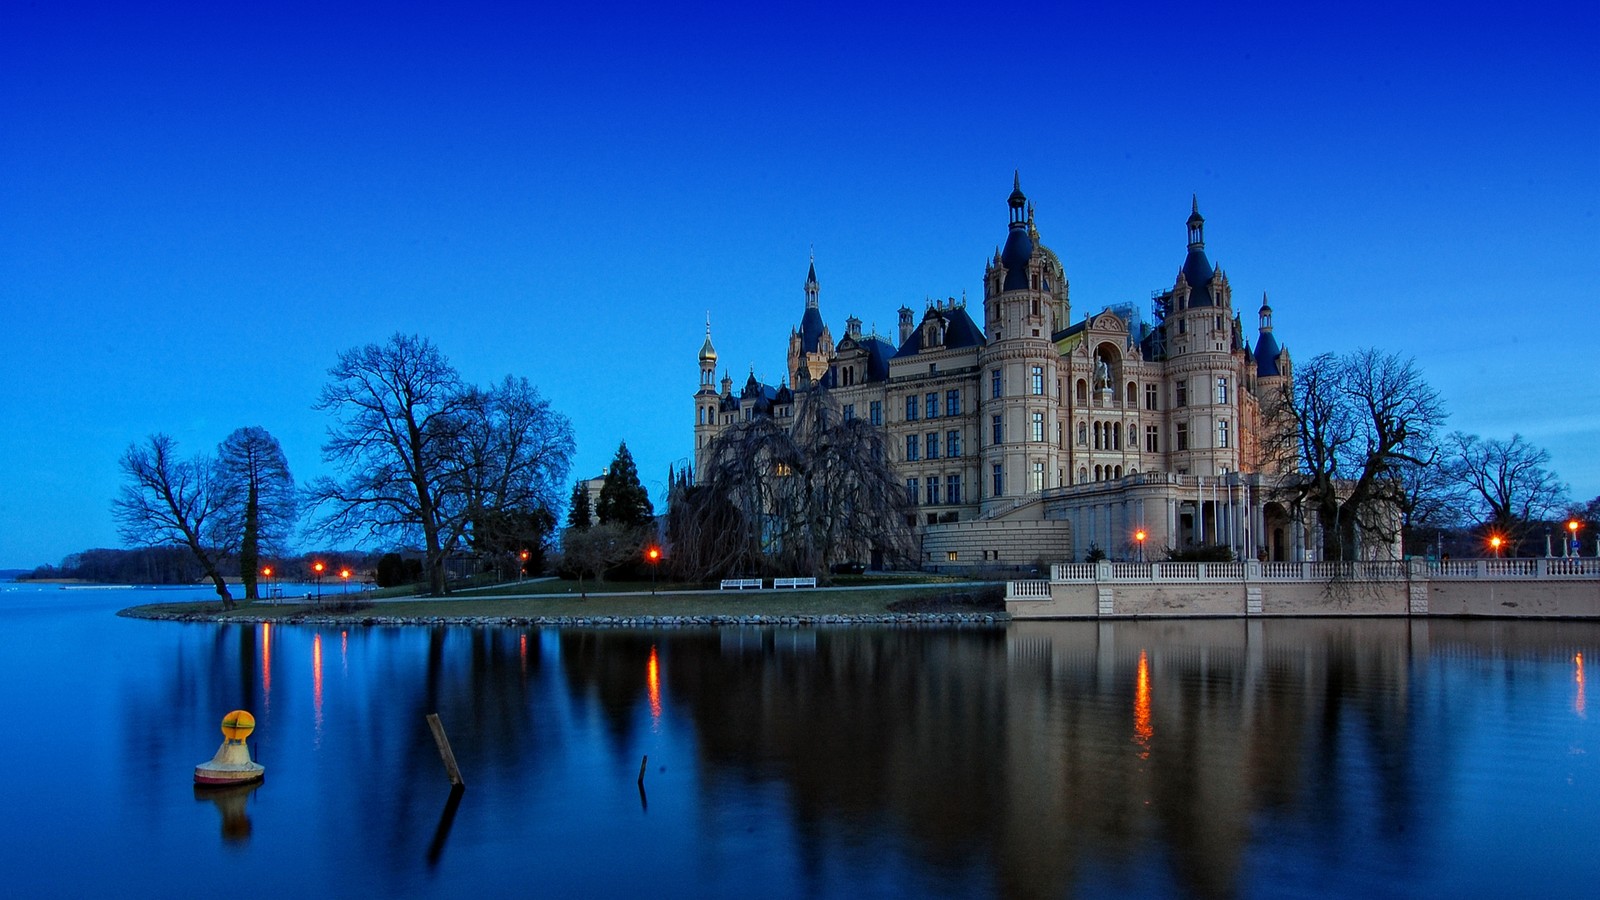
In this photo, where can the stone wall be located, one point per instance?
(993, 543)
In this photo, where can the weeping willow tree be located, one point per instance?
(790, 496)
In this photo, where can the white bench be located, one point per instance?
(794, 582)
(739, 584)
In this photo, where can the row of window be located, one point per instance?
(928, 492)
(915, 444)
(929, 404)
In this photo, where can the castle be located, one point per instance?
(1023, 436)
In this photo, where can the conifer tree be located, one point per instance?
(623, 500)
(578, 515)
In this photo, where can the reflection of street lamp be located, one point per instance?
(317, 569)
(654, 555)
(1138, 537)
(1495, 542)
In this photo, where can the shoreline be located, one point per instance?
(363, 617)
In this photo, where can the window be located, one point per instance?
(1183, 436)
(1222, 433)
(849, 375)
(994, 384)
(1036, 426)
(950, 555)
(1083, 391)
(1097, 436)
(911, 447)
(875, 412)
(952, 403)
(999, 481)
(1222, 391)
(999, 432)
(1152, 439)
(1116, 436)
(1182, 389)
(931, 445)
(911, 491)
(1037, 381)
(933, 406)
(952, 489)
(933, 490)
(1036, 477)
(1218, 325)
(849, 410)
(1152, 397)
(952, 443)
(911, 407)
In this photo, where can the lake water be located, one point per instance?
(1202, 758)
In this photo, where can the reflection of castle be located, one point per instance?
(1022, 435)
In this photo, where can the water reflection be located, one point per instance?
(1306, 755)
(231, 802)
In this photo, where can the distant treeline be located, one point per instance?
(176, 565)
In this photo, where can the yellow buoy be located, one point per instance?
(232, 764)
(237, 725)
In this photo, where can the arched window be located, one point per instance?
(1097, 435)
(1119, 472)
(1096, 473)
(1116, 436)
(1133, 394)
(1083, 390)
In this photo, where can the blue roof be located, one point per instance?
(959, 331)
(1267, 355)
(1015, 256)
(810, 330)
(1198, 272)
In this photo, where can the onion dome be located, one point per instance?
(1267, 350)
(1197, 270)
(1019, 247)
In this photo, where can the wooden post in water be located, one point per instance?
(642, 763)
(446, 754)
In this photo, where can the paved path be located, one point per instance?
(486, 593)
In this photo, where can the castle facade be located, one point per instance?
(1023, 436)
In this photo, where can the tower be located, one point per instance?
(810, 345)
(705, 401)
(1019, 399)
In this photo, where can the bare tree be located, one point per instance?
(171, 501)
(1431, 498)
(251, 464)
(1360, 419)
(421, 454)
(399, 408)
(1509, 482)
(791, 495)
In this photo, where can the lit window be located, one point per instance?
(1036, 426)
(1036, 477)
(950, 556)
(1037, 382)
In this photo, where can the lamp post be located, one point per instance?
(654, 555)
(1138, 537)
(317, 568)
(1494, 543)
(522, 567)
(345, 575)
(266, 572)
(1572, 529)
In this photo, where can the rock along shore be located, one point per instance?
(932, 618)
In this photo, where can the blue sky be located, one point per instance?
(202, 206)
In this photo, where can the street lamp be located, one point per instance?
(266, 572)
(522, 568)
(1138, 537)
(317, 569)
(345, 574)
(1572, 529)
(1494, 542)
(654, 555)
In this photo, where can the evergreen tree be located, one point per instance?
(623, 500)
(579, 515)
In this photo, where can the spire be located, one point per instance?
(1017, 201)
(1197, 224)
(708, 353)
(1266, 314)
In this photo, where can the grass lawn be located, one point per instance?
(556, 601)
